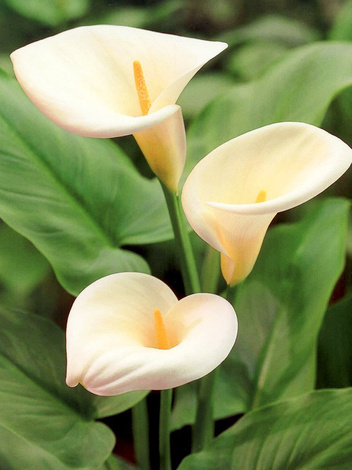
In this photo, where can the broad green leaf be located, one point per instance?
(298, 88)
(5, 62)
(335, 347)
(80, 201)
(46, 334)
(115, 463)
(135, 17)
(307, 433)
(22, 267)
(280, 308)
(253, 59)
(342, 31)
(271, 28)
(108, 406)
(16, 454)
(51, 13)
(201, 90)
(35, 402)
(148, 17)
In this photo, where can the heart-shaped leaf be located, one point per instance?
(36, 404)
(79, 200)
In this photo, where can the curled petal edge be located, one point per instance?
(106, 363)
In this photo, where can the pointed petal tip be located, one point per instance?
(291, 161)
(101, 102)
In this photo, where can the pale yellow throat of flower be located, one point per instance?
(234, 271)
(261, 196)
(162, 339)
(141, 87)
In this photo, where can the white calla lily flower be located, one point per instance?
(111, 81)
(128, 331)
(232, 195)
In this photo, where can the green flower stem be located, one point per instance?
(140, 427)
(210, 271)
(183, 245)
(164, 429)
(203, 429)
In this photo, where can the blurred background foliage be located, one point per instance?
(260, 34)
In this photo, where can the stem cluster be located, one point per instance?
(203, 429)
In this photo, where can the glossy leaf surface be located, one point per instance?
(298, 88)
(306, 433)
(279, 319)
(36, 404)
(78, 200)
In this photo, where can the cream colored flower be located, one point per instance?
(232, 195)
(128, 331)
(111, 81)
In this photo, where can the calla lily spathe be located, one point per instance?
(111, 81)
(128, 331)
(232, 195)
